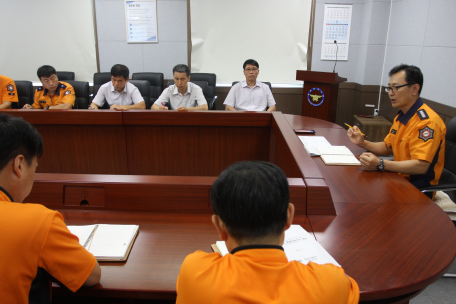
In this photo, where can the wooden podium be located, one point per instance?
(320, 92)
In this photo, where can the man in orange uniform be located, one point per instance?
(417, 137)
(252, 212)
(54, 94)
(36, 245)
(8, 92)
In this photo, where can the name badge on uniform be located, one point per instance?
(426, 134)
(393, 131)
(42, 101)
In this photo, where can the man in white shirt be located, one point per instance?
(119, 93)
(250, 94)
(182, 95)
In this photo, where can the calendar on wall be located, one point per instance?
(336, 27)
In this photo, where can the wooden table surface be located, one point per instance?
(387, 235)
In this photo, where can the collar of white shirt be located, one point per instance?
(245, 84)
(176, 90)
(112, 89)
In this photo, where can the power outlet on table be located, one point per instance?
(376, 112)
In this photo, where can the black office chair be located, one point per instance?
(447, 182)
(100, 79)
(156, 85)
(143, 87)
(25, 93)
(211, 86)
(202, 84)
(265, 82)
(81, 91)
(64, 76)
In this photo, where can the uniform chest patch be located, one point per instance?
(42, 101)
(10, 87)
(393, 131)
(67, 92)
(426, 134)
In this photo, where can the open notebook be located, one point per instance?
(299, 245)
(338, 155)
(106, 242)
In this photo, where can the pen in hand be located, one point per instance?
(358, 129)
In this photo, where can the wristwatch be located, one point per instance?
(47, 108)
(381, 166)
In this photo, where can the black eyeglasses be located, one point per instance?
(396, 88)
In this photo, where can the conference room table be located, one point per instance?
(387, 235)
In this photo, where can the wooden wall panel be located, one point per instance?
(85, 149)
(193, 150)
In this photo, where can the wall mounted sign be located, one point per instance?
(141, 18)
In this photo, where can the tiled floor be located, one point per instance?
(443, 291)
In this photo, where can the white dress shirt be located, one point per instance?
(192, 98)
(130, 95)
(244, 98)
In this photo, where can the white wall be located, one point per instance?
(424, 36)
(420, 33)
(47, 32)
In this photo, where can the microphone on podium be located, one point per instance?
(334, 69)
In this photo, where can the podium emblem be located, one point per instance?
(314, 98)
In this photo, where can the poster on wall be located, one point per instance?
(336, 32)
(141, 17)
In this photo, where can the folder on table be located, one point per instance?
(106, 242)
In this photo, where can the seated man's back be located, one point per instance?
(252, 211)
(261, 276)
(36, 245)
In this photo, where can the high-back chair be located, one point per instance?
(81, 91)
(25, 93)
(156, 85)
(211, 80)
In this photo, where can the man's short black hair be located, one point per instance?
(182, 68)
(118, 70)
(45, 71)
(252, 62)
(18, 137)
(252, 198)
(412, 74)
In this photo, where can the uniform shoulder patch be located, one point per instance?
(61, 85)
(393, 131)
(10, 87)
(422, 114)
(426, 133)
(40, 89)
(67, 92)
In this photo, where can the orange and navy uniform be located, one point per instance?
(36, 247)
(63, 94)
(8, 90)
(261, 274)
(419, 134)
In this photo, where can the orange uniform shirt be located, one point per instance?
(36, 243)
(419, 134)
(8, 91)
(63, 94)
(261, 275)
